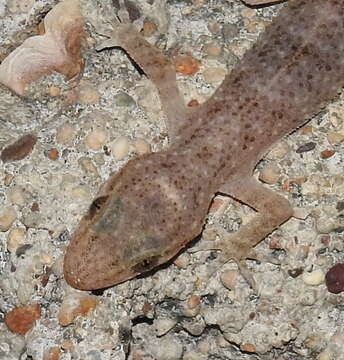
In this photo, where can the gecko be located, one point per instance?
(157, 203)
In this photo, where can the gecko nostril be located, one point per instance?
(96, 206)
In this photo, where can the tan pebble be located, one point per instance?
(72, 307)
(52, 353)
(192, 306)
(324, 355)
(52, 154)
(212, 49)
(270, 174)
(120, 147)
(54, 91)
(96, 139)
(301, 213)
(65, 134)
(193, 301)
(17, 195)
(186, 64)
(313, 278)
(214, 74)
(203, 347)
(324, 225)
(251, 27)
(88, 166)
(88, 94)
(21, 319)
(182, 261)
(141, 146)
(307, 129)
(214, 27)
(46, 259)
(228, 278)
(81, 192)
(67, 344)
(149, 28)
(7, 217)
(248, 13)
(8, 179)
(248, 348)
(16, 237)
(279, 151)
(335, 138)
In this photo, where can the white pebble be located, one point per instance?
(17, 195)
(120, 147)
(7, 217)
(162, 326)
(96, 139)
(313, 278)
(168, 348)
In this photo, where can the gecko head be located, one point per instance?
(137, 224)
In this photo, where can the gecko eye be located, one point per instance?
(145, 264)
(96, 206)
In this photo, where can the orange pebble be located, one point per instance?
(186, 64)
(20, 319)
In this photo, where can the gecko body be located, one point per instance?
(149, 210)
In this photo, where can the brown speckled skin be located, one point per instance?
(157, 203)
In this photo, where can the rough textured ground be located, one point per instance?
(189, 309)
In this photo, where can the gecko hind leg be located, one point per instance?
(158, 67)
(272, 210)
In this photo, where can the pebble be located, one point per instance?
(279, 151)
(163, 326)
(168, 348)
(96, 139)
(17, 195)
(16, 237)
(214, 75)
(228, 278)
(335, 279)
(88, 166)
(182, 261)
(53, 353)
(230, 31)
(141, 146)
(148, 28)
(21, 319)
(54, 91)
(313, 278)
(65, 134)
(246, 347)
(7, 217)
(270, 174)
(212, 49)
(192, 306)
(123, 99)
(19, 149)
(88, 94)
(186, 64)
(52, 154)
(195, 326)
(335, 138)
(120, 147)
(74, 306)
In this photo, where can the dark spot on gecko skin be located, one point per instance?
(96, 206)
(146, 264)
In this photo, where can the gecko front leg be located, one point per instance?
(272, 210)
(158, 67)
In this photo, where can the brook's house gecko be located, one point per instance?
(149, 210)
